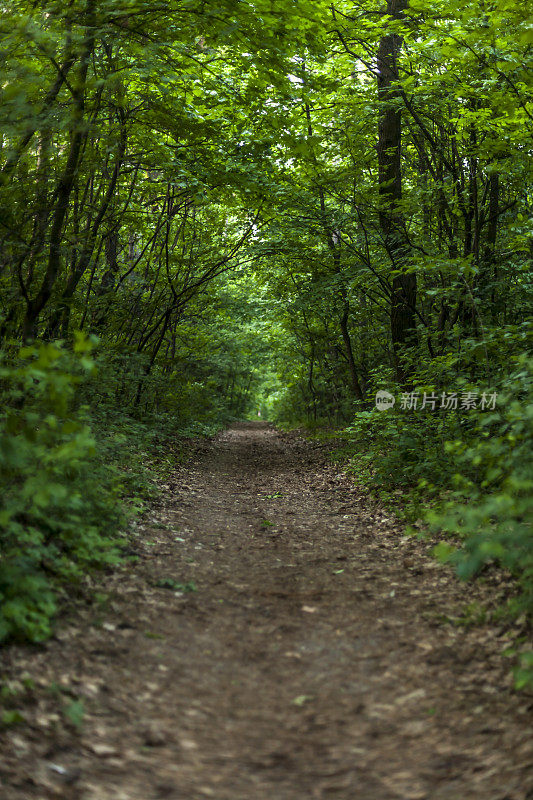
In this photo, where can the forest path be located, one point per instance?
(310, 662)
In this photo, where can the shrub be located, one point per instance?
(58, 498)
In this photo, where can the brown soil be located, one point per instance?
(311, 662)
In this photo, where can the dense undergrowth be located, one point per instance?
(75, 465)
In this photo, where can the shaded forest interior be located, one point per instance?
(210, 211)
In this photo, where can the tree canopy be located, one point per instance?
(213, 209)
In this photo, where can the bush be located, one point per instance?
(491, 507)
(58, 498)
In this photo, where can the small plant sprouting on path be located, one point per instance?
(176, 586)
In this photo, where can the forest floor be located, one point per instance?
(317, 657)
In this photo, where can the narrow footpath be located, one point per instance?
(279, 638)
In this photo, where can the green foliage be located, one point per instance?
(57, 497)
(465, 473)
(10, 718)
(74, 712)
(73, 467)
(523, 674)
(205, 189)
(491, 508)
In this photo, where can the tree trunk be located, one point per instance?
(356, 386)
(66, 183)
(403, 300)
(488, 269)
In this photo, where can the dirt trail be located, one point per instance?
(311, 662)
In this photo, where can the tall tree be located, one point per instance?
(391, 218)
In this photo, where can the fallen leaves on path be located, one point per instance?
(320, 655)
